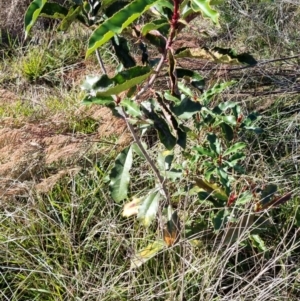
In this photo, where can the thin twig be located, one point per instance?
(100, 61)
(152, 79)
(151, 163)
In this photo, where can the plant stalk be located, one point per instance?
(100, 61)
(150, 161)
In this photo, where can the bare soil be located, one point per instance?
(36, 155)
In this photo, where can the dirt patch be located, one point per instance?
(38, 155)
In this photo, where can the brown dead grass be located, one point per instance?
(34, 150)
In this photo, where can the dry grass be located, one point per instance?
(63, 238)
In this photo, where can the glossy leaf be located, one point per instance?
(227, 105)
(119, 176)
(224, 179)
(227, 130)
(211, 189)
(137, 150)
(164, 160)
(131, 107)
(147, 253)
(185, 90)
(124, 80)
(70, 18)
(106, 3)
(207, 11)
(123, 53)
(258, 242)
(163, 8)
(208, 95)
(161, 24)
(116, 23)
(162, 128)
(32, 13)
(173, 174)
(235, 158)
(186, 108)
(234, 148)
(114, 8)
(215, 144)
(220, 219)
(148, 208)
(54, 10)
(204, 151)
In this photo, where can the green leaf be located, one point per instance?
(116, 23)
(204, 7)
(227, 130)
(244, 198)
(163, 8)
(209, 172)
(137, 150)
(119, 176)
(220, 219)
(234, 148)
(123, 53)
(250, 119)
(229, 119)
(185, 90)
(224, 179)
(258, 242)
(107, 101)
(161, 126)
(132, 108)
(215, 90)
(54, 10)
(148, 208)
(164, 160)
(186, 109)
(106, 3)
(160, 24)
(226, 105)
(170, 97)
(204, 151)
(213, 189)
(235, 158)
(114, 7)
(173, 174)
(147, 253)
(214, 142)
(72, 15)
(32, 13)
(193, 77)
(124, 80)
